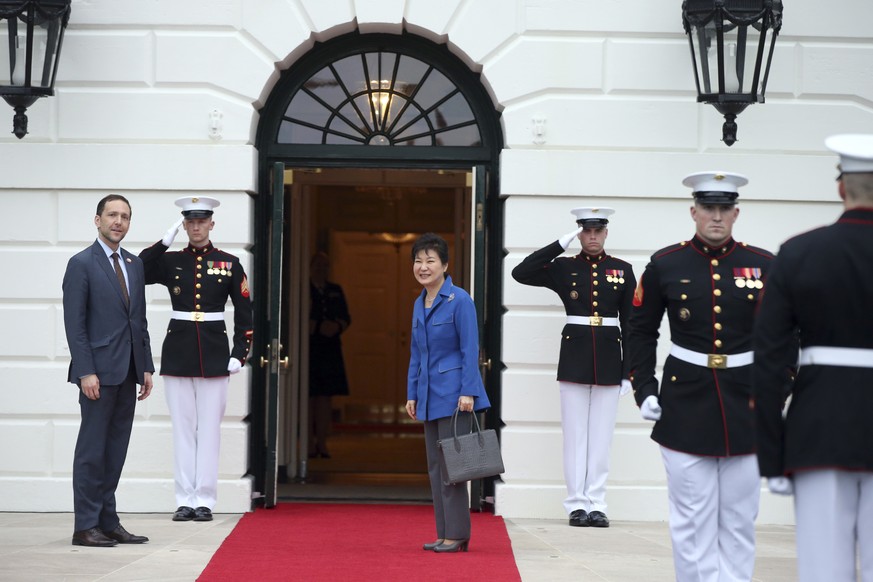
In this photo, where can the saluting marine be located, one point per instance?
(196, 359)
(709, 287)
(596, 290)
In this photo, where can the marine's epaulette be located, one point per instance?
(671, 249)
(756, 250)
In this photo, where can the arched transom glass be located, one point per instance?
(379, 98)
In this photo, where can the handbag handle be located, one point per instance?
(457, 443)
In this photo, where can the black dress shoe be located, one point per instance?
(598, 519)
(202, 514)
(94, 538)
(184, 513)
(122, 536)
(579, 518)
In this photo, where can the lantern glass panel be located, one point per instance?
(13, 55)
(741, 47)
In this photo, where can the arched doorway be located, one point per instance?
(365, 142)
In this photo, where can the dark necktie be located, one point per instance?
(120, 275)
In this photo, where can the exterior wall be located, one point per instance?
(158, 100)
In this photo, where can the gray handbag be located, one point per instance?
(469, 456)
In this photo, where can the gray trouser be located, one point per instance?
(451, 503)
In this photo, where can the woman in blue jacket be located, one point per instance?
(443, 375)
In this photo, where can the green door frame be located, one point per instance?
(488, 234)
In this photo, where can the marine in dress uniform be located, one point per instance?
(596, 290)
(196, 360)
(709, 287)
(821, 287)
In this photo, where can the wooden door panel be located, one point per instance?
(366, 268)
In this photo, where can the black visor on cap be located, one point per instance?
(196, 213)
(716, 197)
(592, 222)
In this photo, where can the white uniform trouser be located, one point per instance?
(196, 408)
(588, 420)
(713, 506)
(834, 517)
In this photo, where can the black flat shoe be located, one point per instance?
(431, 545)
(184, 513)
(202, 514)
(579, 518)
(598, 519)
(456, 546)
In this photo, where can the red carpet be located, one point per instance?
(315, 542)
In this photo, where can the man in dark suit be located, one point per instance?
(596, 290)
(821, 289)
(709, 288)
(105, 322)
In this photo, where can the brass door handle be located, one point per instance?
(485, 364)
(284, 362)
(264, 361)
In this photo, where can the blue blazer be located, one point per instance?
(444, 358)
(101, 331)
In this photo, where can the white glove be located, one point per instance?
(650, 409)
(780, 485)
(233, 365)
(626, 387)
(170, 236)
(568, 238)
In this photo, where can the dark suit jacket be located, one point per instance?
(102, 331)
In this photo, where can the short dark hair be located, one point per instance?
(109, 198)
(430, 241)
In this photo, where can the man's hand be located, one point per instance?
(568, 238)
(626, 388)
(90, 386)
(146, 387)
(780, 485)
(170, 235)
(233, 365)
(650, 409)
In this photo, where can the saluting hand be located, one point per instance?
(568, 238)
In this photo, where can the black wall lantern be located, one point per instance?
(731, 47)
(31, 35)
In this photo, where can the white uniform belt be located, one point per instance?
(594, 320)
(197, 315)
(831, 356)
(712, 360)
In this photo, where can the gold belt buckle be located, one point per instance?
(595, 320)
(718, 361)
(198, 316)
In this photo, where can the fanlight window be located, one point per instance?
(379, 98)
